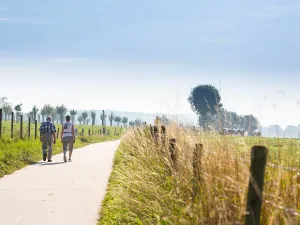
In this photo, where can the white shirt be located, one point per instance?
(67, 129)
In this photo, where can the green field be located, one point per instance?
(15, 153)
(145, 188)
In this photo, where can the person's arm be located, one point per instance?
(73, 132)
(62, 132)
(41, 134)
(53, 134)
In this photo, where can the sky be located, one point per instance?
(146, 56)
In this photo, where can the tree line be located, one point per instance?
(59, 112)
(205, 101)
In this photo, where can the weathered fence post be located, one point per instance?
(173, 152)
(89, 132)
(151, 130)
(12, 125)
(29, 121)
(155, 133)
(82, 132)
(163, 135)
(21, 126)
(35, 129)
(57, 133)
(197, 165)
(0, 123)
(256, 184)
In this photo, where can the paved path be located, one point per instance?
(58, 193)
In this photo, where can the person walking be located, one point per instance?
(68, 138)
(48, 137)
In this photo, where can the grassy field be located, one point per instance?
(16, 153)
(144, 187)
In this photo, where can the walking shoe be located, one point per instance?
(70, 160)
(65, 158)
(49, 160)
(44, 156)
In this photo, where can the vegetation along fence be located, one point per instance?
(258, 167)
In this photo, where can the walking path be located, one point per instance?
(58, 193)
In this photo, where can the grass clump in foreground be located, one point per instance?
(144, 187)
(16, 153)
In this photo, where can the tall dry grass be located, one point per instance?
(146, 187)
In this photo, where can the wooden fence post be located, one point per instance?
(197, 165)
(82, 132)
(163, 135)
(155, 133)
(21, 126)
(12, 125)
(29, 121)
(256, 184)
(57, 133)
(89, 132)
(151, 130)
(173, 152)
(0, 123)
(35, 129)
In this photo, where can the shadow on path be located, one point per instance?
(51, 163)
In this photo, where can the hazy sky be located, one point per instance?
(147, 55)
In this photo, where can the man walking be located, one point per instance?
(47, 131)
(67, 137)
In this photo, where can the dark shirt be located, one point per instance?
(47, 127)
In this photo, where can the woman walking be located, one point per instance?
(68, 137)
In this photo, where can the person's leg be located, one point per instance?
(70, 148)
(65, 147)
(50, 143)
(44, 147)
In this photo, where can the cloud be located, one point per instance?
(276, 11)
(4, 19)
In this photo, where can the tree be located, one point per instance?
(250, 124)
(61, 111)
(48, 110)
(138, 122)
(2, 100)
(54, 115)
(164, 120)
(93, 115)
(34, 112)
(43, 113)
(88, 121)
(84, 116)
(103, 117)
(18, 109)
(111, 118)
(80, 119)
(205, 101)
(125, 121)
(131, 123)
(7, 109)
(73, 113)
(118, 120)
